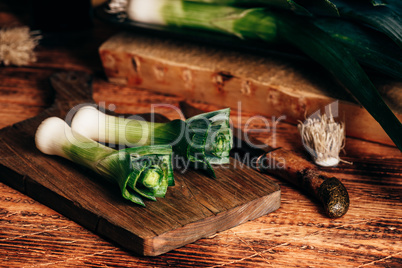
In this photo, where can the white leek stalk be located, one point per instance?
(224, 19)
(140, 172)
(202, 140)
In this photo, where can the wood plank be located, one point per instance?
(269, 85)
(197, 206)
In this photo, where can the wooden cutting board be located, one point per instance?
(197, 206)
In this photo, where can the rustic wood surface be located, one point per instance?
(195, 207)
(296, 235)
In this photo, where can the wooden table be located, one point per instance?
(297, 234)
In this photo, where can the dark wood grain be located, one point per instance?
(298, 234)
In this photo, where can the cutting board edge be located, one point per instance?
(168, 241)
(30, 187)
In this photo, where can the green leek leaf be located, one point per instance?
(378, 2)
(323, 7)
(366, 44)
(129, 167)
(386, 19)
(208, 140)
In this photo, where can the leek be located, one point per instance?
(208, 140)
(140, 172)
(202, 140)
(367, 45)
(384, 16)
(282, 4)
(269, 26)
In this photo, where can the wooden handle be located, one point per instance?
(326, 188)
